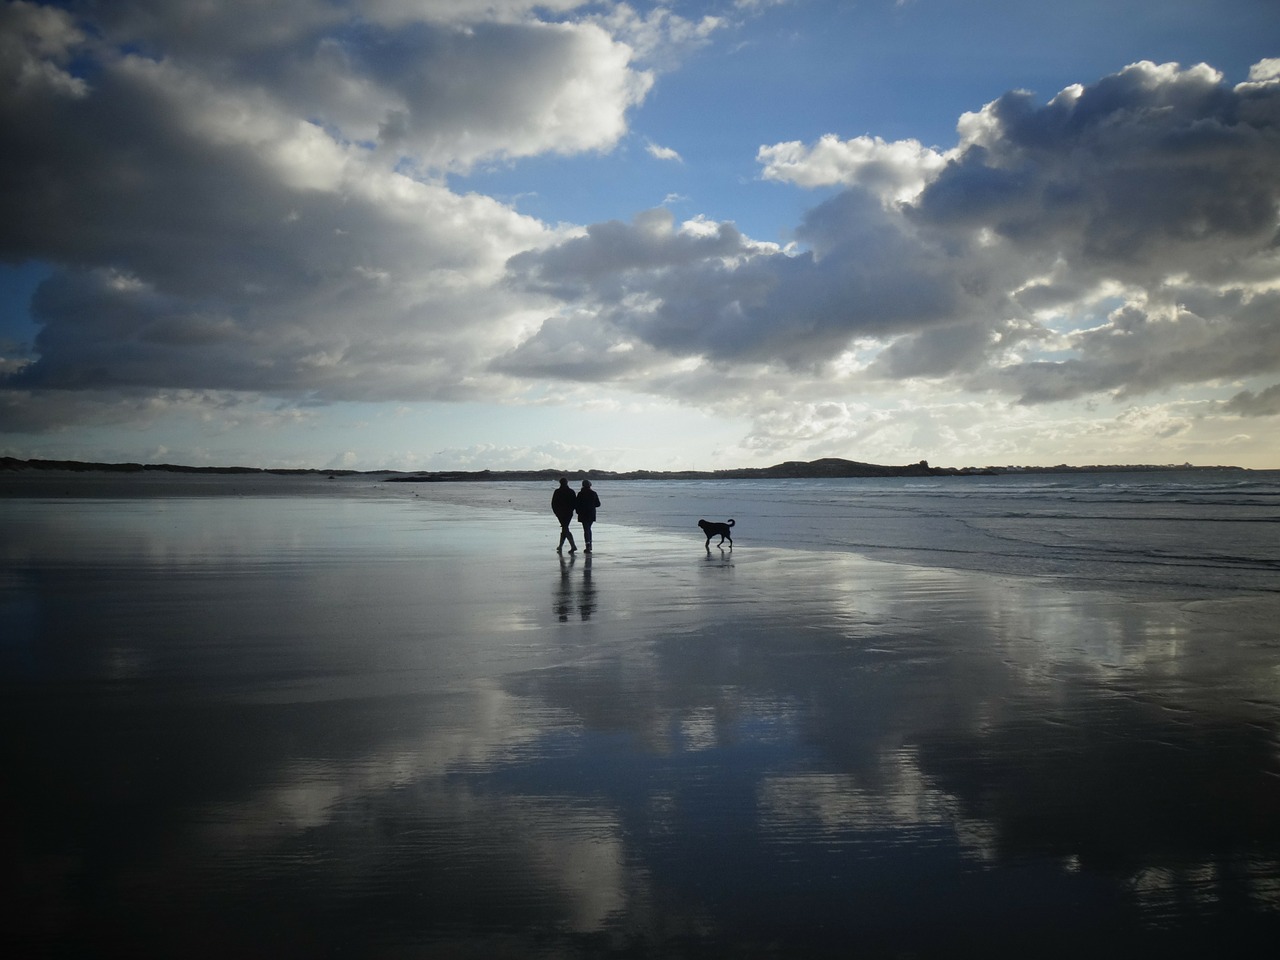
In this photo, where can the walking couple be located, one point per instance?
(564, 501)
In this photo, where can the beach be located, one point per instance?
(296, 717)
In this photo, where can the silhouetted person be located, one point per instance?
(587, 503)
(562, 503)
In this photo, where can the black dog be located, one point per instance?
(711, 529)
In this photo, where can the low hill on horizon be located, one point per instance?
(789, 469)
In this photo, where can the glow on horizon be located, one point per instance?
(650, 235)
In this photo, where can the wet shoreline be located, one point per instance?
(311, 725)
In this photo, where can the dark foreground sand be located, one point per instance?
(311, 726)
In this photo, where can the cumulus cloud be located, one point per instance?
(578, 349)
(1120, 238)
(1246, 403)
(895, 171)
(247, 199)
(661, 36)
(242, 196)
(707, 290)
(446, 84)
(1148, 173)
(1142, 349)
(662, 153)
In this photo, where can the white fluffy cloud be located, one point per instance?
(895, 171)
(662, 153)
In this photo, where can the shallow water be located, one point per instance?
(311, 725)
(1168, 529)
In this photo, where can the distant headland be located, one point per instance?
(790, 469)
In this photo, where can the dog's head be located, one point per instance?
(703, 524)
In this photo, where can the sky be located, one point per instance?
(497, 234)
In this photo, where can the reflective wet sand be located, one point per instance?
(298, 727)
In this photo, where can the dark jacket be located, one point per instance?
(562, 502)
(587, 504)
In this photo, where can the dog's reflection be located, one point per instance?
(565, 590)
(720, 557)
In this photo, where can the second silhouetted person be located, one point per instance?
(587, 503)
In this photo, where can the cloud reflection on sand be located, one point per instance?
(394, 726)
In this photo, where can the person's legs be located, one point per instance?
(566, 534)
(586, 536)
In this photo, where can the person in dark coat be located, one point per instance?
(587, 504)
(562, 503)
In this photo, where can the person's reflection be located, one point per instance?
(587, 598)
(564, 589)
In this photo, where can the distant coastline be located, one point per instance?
(790, 469)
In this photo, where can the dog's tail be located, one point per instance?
(731, 523)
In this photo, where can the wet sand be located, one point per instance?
(299, 726)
